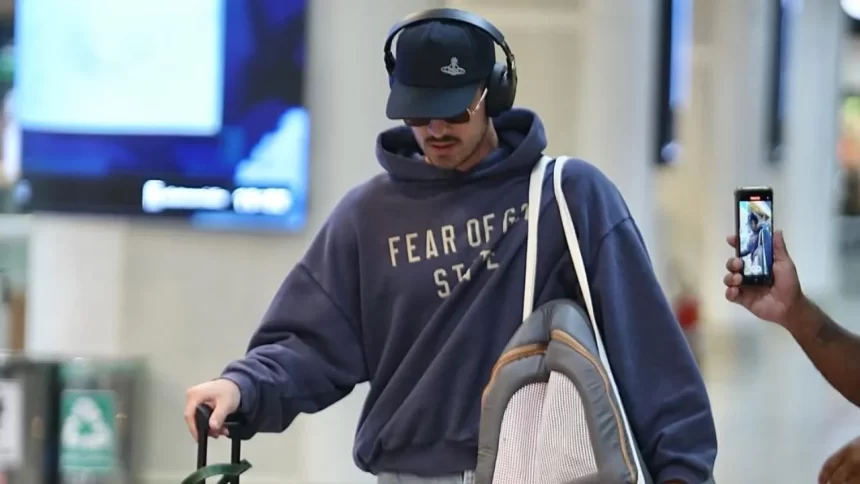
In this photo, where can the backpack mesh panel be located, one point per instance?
(544, 437)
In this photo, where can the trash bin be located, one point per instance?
(29, 407)
(99, 421)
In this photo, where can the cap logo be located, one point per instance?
(453, 68)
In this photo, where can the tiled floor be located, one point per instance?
(777, 419)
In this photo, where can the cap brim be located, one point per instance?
(425, 102)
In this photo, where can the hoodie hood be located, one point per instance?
(521, 142)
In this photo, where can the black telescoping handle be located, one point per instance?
(202, 416)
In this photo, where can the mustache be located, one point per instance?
(444, 139)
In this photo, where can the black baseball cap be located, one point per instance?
(439, 66)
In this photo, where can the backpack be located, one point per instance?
(551, 412)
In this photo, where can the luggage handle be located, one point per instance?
(237, 465)
(202, 415)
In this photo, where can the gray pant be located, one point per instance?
(464, 478)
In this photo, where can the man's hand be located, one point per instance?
(833, 350)
(843, 467)
(224, 398)
(769, 303)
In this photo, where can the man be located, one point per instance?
(834, 351)
(414, 284)
(758, 246)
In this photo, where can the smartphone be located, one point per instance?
(754, 229)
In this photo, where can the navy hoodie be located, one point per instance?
(415, 284)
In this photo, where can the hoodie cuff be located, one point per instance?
(247, 391)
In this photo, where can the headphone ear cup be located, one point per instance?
(499, 91)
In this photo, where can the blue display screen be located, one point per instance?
(190, 108)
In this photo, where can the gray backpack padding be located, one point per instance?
(557, 337)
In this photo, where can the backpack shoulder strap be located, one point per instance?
(575, 251)
(532, 217)
(582, 278)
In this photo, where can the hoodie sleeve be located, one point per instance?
(307, 352)
(658, 378)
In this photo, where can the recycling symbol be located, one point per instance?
(85, 427)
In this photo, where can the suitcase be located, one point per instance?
(230, 472)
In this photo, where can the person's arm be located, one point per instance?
(307, 354)
(833, 350)
(752, 244)
(658, 378)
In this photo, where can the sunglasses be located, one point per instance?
(461, 118)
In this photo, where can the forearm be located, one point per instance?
(278, 382)
(833, 350)
(305, 356)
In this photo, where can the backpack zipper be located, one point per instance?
(510, 356)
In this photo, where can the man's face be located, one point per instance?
(754, 225)
(449, 144)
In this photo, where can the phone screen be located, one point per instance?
(755, 233)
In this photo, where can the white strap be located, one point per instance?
(575, 252)
(533, 216)
(582, 278)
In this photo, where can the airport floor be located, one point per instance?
(777, 419)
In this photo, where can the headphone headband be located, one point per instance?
(455, 15)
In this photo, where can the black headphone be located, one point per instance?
(502, 84)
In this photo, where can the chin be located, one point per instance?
(445, 162)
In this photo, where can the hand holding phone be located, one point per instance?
(754, 230)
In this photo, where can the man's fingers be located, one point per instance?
(831, 465)
(734, 264)
(192, 426)
(843, 473)
(733, 293)
(733, 280)
(732, 240)
(216, 421)
(190, 420)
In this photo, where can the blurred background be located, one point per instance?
(166, 163)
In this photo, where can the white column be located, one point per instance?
(727, 136)
(75, 285)
(808, 203)
(725, 141)
(616, 128)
